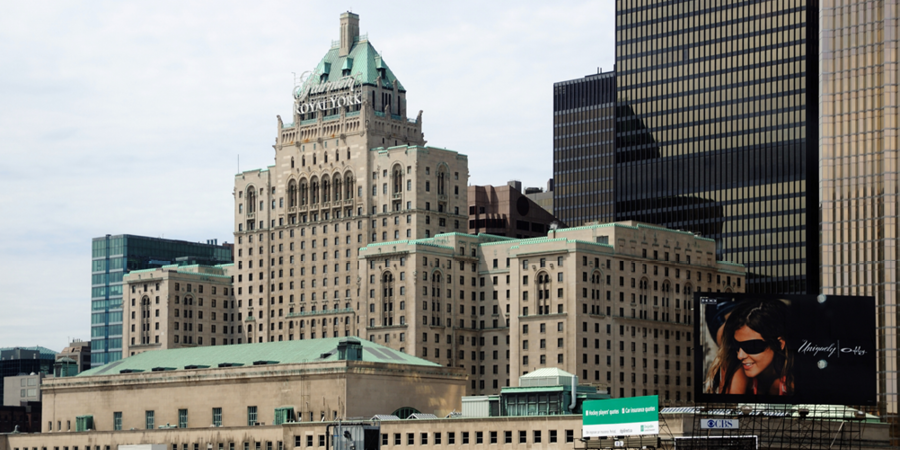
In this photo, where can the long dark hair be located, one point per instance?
(770, 319)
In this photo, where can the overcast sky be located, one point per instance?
(129, 117)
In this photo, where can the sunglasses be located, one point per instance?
(753, 347)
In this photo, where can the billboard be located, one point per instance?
(784, 349)
(620, 417)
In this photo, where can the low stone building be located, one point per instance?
(249, 385)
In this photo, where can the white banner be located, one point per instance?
(621, 429)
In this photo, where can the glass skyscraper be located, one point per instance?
(859, 44)
(113, 257)
(716, 130)
(583, 149)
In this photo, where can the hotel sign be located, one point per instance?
(338, 93)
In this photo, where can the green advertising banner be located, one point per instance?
(620, 417)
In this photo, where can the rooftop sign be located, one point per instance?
(620, 417)
(338, 93)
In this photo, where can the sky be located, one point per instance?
(133, 117)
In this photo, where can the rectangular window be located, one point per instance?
(117, 420)
(465, 437)
(523, 436)
(217, 417)
(148, 416)
(451, 437)
(251, 416)
(182, 418)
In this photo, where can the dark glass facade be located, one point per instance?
(25, 360)
(114, 256)
(717, 130)
(583, 149)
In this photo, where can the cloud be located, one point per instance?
(130, 117)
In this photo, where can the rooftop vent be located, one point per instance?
(230, 364)
(195, 366)
(264, 363)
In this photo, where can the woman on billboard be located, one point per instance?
(753, 357)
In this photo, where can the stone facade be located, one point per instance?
(342, 179)
(358, 230)
(234, 397)
(179, 306)
(610, 303)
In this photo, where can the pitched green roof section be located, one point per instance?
(285, 352)
(363, 62)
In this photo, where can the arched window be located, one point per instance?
(405, 412)
(348, 186)
(251, 200)
(292, 193)
(304, 193)
(397, 177)
(292, 162)
(326, 191)
(314, 188)
(337, 188)
(442, 181)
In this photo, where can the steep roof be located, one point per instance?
(284, 352)
(363, 62)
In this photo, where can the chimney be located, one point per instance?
(349, 32)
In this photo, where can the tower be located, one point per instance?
(716, 130)
(350, 170)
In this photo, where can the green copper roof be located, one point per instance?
(363, 62)
(285, 352)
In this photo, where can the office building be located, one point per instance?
(115, 256)
(22, 388)
(346, 174)
(584, 149)
(717, 131)
(543, 198)
(506, 211)
(79, 352)
(179, 306)
(858, 164)
(25, 360)
(609, 303)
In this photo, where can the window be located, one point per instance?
(451, 437)
(117, 420)
(523, 436)
(182, 418)
(465, 437)
(148, 418)
(217, 417)
(251, 416)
